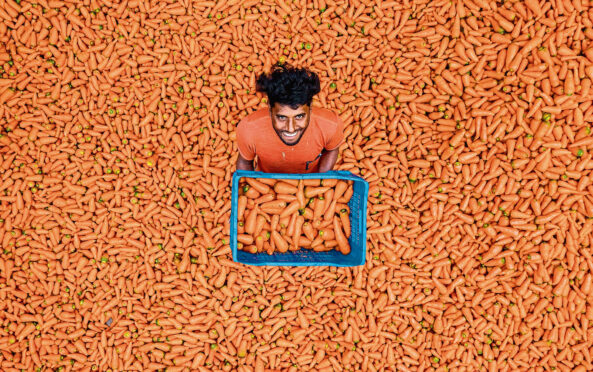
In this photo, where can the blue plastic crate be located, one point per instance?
(305, 257)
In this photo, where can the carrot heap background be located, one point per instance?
(282, 215)
(469, 119)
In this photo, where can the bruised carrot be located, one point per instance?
(275, 204)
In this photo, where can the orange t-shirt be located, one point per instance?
(256, 137)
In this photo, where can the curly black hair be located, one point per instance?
(288, 85)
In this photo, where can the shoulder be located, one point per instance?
(252, 124)
(256, 118)
(325, 118)
(324, 114)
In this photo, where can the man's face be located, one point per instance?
(289, 123)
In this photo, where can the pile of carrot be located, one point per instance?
(281, 215)
(470, 119)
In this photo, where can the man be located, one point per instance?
(290, 136)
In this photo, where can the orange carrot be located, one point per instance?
(281, 244)
(259, 186)
(290, 209)
(241, 205)
(311, 192)
(250, 222)
(343, 244)
(285, 188)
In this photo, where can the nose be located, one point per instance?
(291, 127)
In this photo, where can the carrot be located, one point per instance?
(346, 196)
(273, 210)
(241, 205)
(291, 224)
(311, 192)
(330, 211)
(275, 222)
(307, 213)
(341, 188)
(329, 182)
(300, 194)
(290, 209)
(265, 198)
(285, 188)
(470, 121)
(311, 182)
(298, 229)
(381, 230)
(250, 221)
(273, 205)
(260, 224)
(318, 208)
(268, 181)
(326, 234)
(259, 243)
(284, 221)
(345, 219)
(308, 230)
(245, 239)
(251, 192)
(534, 6)
(328, 197)
(259, 186)
(287, 198)
(281, 244)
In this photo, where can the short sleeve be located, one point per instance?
(245, 142)
(335, 140)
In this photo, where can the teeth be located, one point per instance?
(290, 134)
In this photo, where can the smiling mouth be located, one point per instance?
(290, 135)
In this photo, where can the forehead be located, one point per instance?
(286, 110)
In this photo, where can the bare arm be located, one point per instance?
(244, 164)
(328, 160)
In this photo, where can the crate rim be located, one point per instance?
(341, 174)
